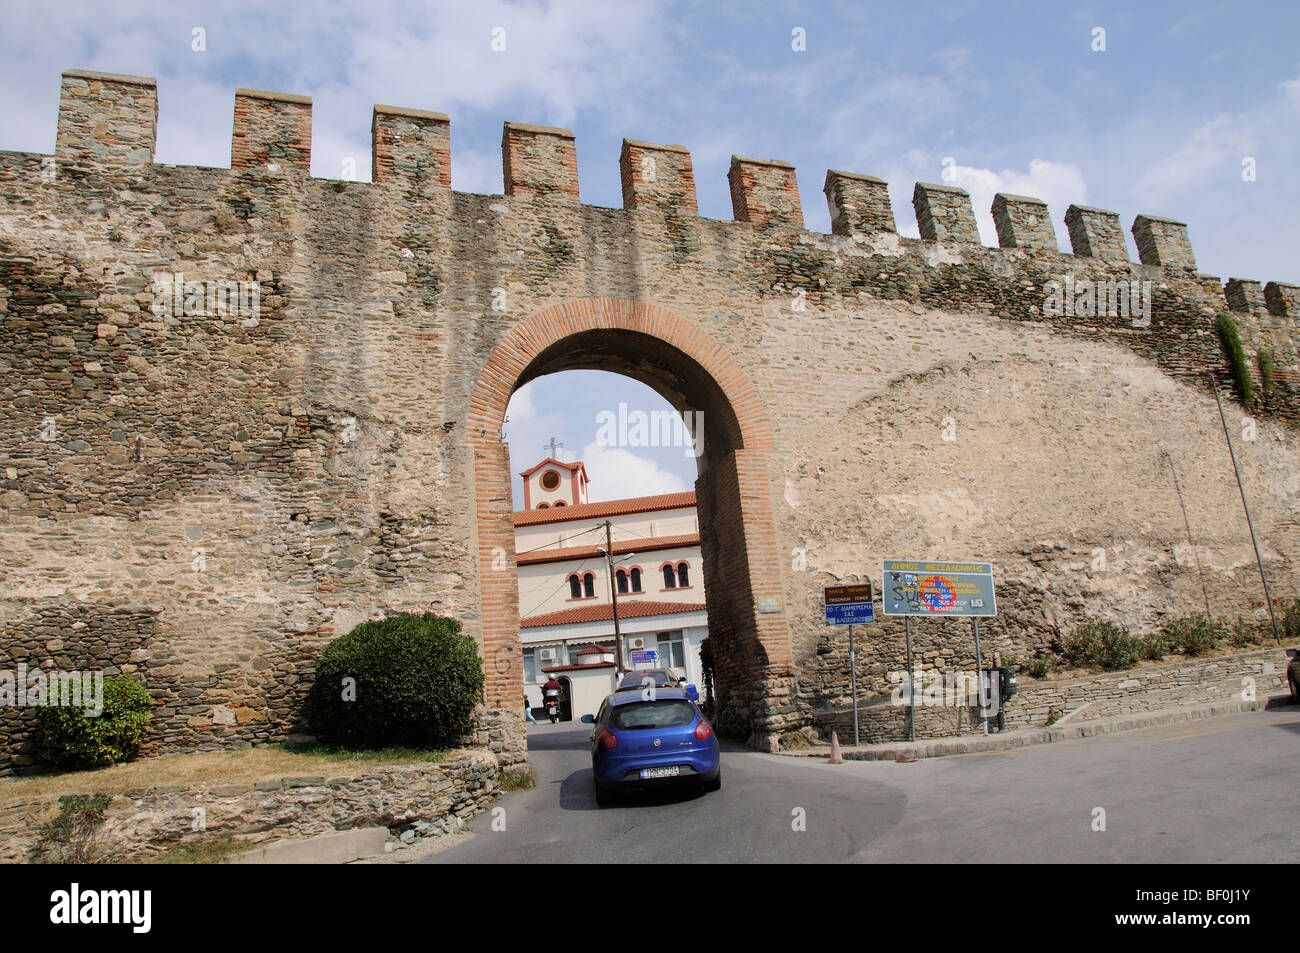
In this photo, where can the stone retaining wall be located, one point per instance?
(1040, 703)
(412, 800)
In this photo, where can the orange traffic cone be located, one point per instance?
(835, 749)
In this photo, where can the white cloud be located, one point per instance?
(1059, 184)
(1201, 157)
(617, 474)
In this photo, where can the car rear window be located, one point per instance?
(664, 713)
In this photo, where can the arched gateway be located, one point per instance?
(743, 590)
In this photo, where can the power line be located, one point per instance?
(549, 546)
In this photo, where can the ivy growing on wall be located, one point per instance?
(1267, 363)
(1233, 350)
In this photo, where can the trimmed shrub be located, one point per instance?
(1233, 350)
(409, 680)
(69, 738)
(1192, 635)
(1101, 645)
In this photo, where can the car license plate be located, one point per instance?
(669, 772)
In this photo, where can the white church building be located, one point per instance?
(565, 601)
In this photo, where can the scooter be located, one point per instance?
(553, 708)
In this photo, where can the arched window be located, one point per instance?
(559, 502)
(636, 580)
(670, 581)
(589, 584)
(683, 579)
(575, 587)
(621, 577)
(542, 506)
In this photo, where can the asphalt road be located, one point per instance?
(1212, 791)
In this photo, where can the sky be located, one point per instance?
(1184, 110)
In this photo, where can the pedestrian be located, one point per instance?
(528, 711)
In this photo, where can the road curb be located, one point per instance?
(941, 747)
(338, 847)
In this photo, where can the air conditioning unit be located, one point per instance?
(547, 655)
(636, 644)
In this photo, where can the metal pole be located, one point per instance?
(911, 682)
(1268, 600)
(979, 674)
(613, 597)
(853, 678)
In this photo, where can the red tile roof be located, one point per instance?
(630, 609)
(646, 545)
(586, 511)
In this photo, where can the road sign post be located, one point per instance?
(853, 686)
(922, 587)
(850, 605)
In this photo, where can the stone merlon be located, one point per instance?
(111, 119)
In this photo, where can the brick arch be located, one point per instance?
(751, 648)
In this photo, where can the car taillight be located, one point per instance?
(703, 730)
(607, 739)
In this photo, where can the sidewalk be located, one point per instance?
(939, 747)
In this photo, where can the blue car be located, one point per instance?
(648, 742)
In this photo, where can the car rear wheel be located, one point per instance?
(715, 784)
(1295, 690)
(604, 795)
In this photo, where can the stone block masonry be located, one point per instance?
(411, 800)
(944, 214)
(1246, 677)
(203, 501)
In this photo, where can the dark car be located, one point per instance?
(1293, 675)
(638, 742)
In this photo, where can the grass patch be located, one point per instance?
(242, 766)
(515, 780)
(343, 753)
(205, 849)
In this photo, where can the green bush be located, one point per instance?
(1290, 626)
(1243, 634)
(1153, 647)
(1233, 350)
(72, 837)
(1101, 645)
(406, 680)
(1193, 635)
(1040, 665)
(69, 738)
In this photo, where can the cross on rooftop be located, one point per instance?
(553, 445)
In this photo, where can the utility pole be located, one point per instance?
(613, 596)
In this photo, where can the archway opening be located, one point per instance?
(740, 569)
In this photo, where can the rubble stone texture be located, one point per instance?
(211, 497)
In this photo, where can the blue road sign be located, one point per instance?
(854, 614)
(649, 655)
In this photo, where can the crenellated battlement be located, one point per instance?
(109, 120)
